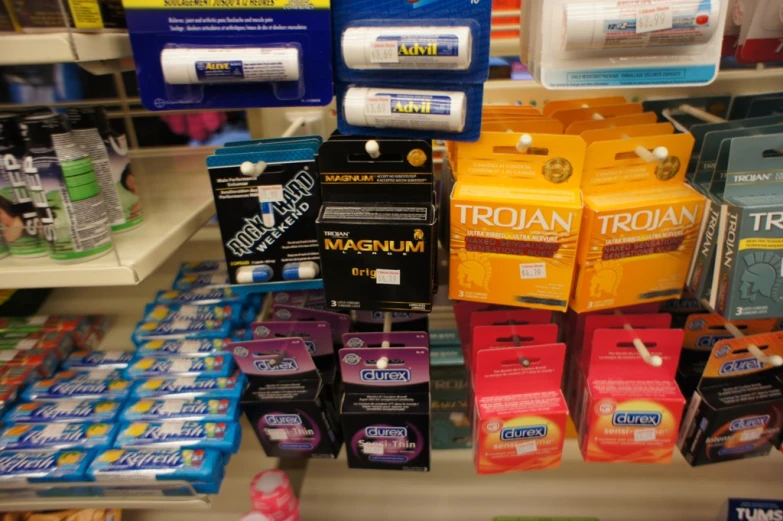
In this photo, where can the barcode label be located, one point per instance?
(384, 52)
(532, 270)
(67, 406)
(37, 321)
(526, 448)
(644, 435)
(373, 448)
(751, 434)
(270, 193)
(391, 277)
(190, 346)
(277, 434)
(378, 106)
(171, 407)
(180, 325)
(169, 427)
(181, 365)
(188, 311)
(654, 19)
(27, 343)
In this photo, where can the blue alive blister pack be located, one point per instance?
(200, 280)
(218, 365)
(222, 436)
(206, 295)
(195, 408)
(42, 466)
(203, 468)
(207, 266)
(179, 386)
(78, 385)
(86, 360)
(62, 435)
(184, 328)
(180, 347)
(190, 55)
(88, 410)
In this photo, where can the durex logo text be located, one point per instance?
(385, 375)
(632, 419)
(523, 433)
(282, 419)
(740, 366)
(386, 432)
(749, 423)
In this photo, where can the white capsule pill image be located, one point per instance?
(183, 66)
(419, 48)
(444, 111)
(251, 274)
(608, 24)
(301, 271)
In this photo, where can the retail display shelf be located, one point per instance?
(64, 47)
(177, 201)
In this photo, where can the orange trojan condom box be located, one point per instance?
(631, 409)
(639, 225)
(515, 215)
(519, 422)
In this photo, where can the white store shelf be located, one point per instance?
(94, 51)
(177, 201)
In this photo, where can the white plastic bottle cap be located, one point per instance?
(177, 68)
(579, 25)
(353, 106)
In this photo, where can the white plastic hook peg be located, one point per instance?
(525, 140)
(656, 156)
(773, 360)
(383, 362)
(700, 114)
(598, 117)
(653, 360)
(251, 169)
(373, 149)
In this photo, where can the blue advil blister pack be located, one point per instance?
(387, 49)
(194, 54)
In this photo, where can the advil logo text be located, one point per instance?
(412, 107)
(431, 49)
(633, 419)
(523, 433)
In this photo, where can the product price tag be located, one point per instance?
(7, 355)
(180, 325)
(653, 19)
(169, 427)
(38, 320)
(532, 270)
(190, 346)
(270, 194)
(526, 448)
(373, 448)
(384, 52)
(640, 435)
(68, 406)
(277, 434)
(54, 430)
(751, 434)
(171, 407)
(27, 343)
(188, 311)
(391, 277)
(378, 106)
(181, 365)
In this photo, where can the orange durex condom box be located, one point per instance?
(631, 409)
(520, 416)
(514, 220)
(737, 409)
(639, 224)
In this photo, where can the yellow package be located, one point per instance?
(583, 103)
(645, 118)
(509, 110)
(515, 218)
(571, 116)
(639, 224)
(611, 134)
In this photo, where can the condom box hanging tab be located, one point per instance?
(193, 54)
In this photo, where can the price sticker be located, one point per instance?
(190, 346)
(751, 434)
(54, 430)
(171, 428)
(378, 106)
(384, 52)
(532, 270)
(391, 277)
(26, 344)
(181, 365)
(526, 448)
(170, 407)
(277, 434)
(373, 448)
(180, 325)
(270, 193)
(650, 19)
(641, 435)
